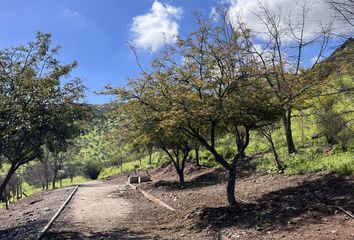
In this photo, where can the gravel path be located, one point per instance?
(97, 211)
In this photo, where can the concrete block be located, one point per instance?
(144, 179)
(133, 179)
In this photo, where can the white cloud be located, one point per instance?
(152, 29)
(319, 14)
(73, 16)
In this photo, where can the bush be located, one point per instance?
(92, 170)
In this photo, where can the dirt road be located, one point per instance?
(95, 211)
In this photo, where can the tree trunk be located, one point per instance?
(6, 201)
(288, 132)
(197, 156)
(180, 176)
(46, 175)
(18, 190)
(150, 158)
(9, 174)
(276, 156)
(54, 179)
(231, 187)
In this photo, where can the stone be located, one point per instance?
(133, 179)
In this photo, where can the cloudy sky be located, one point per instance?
(96, 32)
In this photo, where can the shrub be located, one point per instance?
(92, 170)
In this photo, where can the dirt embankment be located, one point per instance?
(28, 216)
(270, 206)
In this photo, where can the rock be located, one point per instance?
(46, 209)
(29, 220)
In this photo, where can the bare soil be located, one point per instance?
(28, 216)
(270, 207)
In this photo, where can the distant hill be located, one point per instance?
(341, 61)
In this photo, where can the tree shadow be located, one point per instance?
(207, 179)
(213, 177)
(288, 208)
(27, 230)
(123, 234)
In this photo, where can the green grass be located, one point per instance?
(143, 164)
(308, 161)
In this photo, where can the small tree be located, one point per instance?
(267, 133)
(143, 126)
(280, 51)
(332, 124)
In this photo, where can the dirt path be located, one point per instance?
(97, 211)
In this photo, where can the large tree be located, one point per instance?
(207, 85)
(36, 107)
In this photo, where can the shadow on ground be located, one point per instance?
(213, 177)
(288, 208)
(118, 234)
(27, 230)
(206, 179)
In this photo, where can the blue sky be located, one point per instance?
(95, 32)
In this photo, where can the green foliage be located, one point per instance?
(341, 163)
(92, 169)
(157, 160)
(309, 160)
(97, 147)
(36, 107)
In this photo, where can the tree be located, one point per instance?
(267, 133)
(332, 124)
(215, 88)
(95, 148)
(281, 52)
(36, 108)
(345, 8)
(36, 175)
(142, 127)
